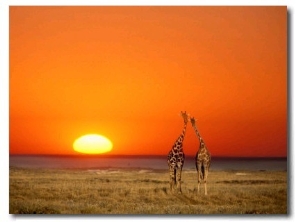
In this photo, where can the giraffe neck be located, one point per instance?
(183, 131)
(181, 137)
(197, 133)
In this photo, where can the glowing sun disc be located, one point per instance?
(92, 144)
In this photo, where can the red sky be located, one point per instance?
(127, 72)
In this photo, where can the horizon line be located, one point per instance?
(139, 155)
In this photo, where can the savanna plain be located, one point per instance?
(140, 191)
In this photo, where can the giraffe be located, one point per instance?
(176, 157)
(202, 159)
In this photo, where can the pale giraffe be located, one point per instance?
(202, 159)
(176, 157)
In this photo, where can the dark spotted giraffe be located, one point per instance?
(203, 158)
(176, 157)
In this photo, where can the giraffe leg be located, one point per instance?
(205, 179)
(172, 178)
(199, 179)
(201, 175)
(178, 177)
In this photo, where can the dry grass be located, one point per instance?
(46, 191)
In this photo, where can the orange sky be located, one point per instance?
(127, 72)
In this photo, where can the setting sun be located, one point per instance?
(92, 144)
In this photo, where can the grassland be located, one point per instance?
(135, 191)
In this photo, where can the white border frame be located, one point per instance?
(293, 51)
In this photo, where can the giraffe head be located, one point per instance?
(193, 121)
(185, 117)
